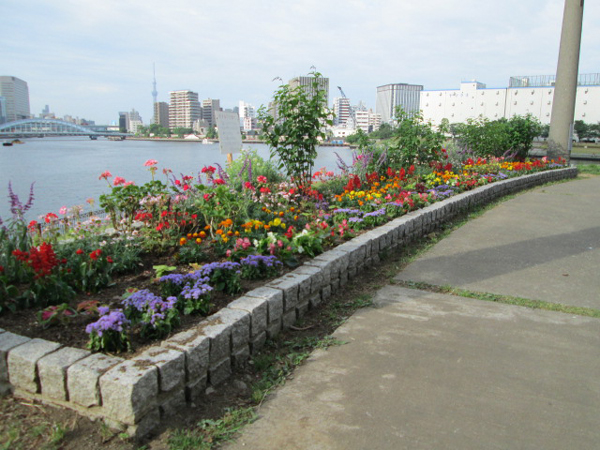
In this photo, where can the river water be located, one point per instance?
(66, 170)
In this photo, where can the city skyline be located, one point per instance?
(95, 61)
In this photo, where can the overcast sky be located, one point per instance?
(93, 59)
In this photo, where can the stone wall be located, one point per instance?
(134, 394)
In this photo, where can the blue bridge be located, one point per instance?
(52, 127)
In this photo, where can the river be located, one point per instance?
(66, 170)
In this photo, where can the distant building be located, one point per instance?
(2, 110)
(209, 108)
(161, 114)
(525, 95)
(16, 94)
(307, 82)
(367, 121)
(247, 114)
(342, 111)
(184, 109)
(390, 96)
(123, 122)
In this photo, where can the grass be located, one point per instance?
(506, 299)
(589, 169)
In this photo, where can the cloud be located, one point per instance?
(233, 49)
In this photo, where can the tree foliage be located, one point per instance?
(414, 141)
(511, 138)
(294, 131)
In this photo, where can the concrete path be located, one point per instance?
(432, 371)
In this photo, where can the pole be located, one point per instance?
(565, 88)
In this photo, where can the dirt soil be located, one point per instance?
(72, 334)
(20, 417)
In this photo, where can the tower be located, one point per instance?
(154, 92)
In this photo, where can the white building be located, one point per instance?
(247, 114)
(367, 120)
(525, 95)
(184, 109)
(342, 110)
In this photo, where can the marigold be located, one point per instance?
(182, 241)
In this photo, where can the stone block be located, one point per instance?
(289, 285)
(170, 364)
(240, 357)
(52, 370)
(240, 326)
(145, 425)
(22, 363)
(196, 347)
(289, 318)
(323, 267)
(195, 390)
(274, 298)
(257, 342)
(257, 307)
(129, 391)
(310, 280)
(172, 403)
(83, 376)
(8, 341)
(219, 372)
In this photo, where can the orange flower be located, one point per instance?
(198, 241)
(219, 231)
(182, 241)
(230, 233)
(202, 234)
(281, 213)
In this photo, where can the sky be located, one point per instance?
(94, 58)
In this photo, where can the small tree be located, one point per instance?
(294, 130)
(414, 140)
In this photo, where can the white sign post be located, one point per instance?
(230, 136)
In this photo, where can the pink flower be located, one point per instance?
(62, 210)
(150, 162)
(261, 179)
(105, 175)
(128, 183)
(118, 181)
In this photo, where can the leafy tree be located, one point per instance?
(385, 132)
(212, 133)
(181, 131)
(294, 132)
(582, 129)
(503, 137)
(414, 141)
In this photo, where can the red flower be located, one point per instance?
(209, 169)
(79, 251)
(219, 181)
(109, 260)
(95, 254)
(49, 217)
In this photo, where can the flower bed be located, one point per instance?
(135, 393)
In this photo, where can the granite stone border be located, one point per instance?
(133, 395)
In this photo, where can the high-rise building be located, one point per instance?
(2, 110)
(184, 109)
(342, 110)
(16, 93)
(161, 114)
(209, 107)
(390, 96)
(247, 115)
(307, 82)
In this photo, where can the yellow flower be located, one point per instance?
(182, 241)
(198, 241)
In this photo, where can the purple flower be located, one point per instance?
(113, 321)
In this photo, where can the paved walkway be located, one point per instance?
(432, 371)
